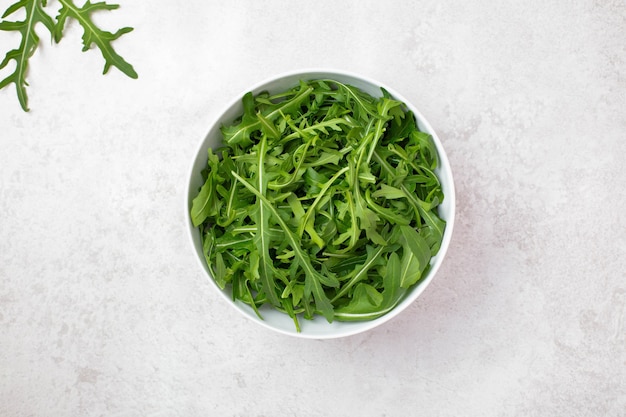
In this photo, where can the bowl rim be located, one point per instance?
(444, 167)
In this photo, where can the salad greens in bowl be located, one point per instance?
(320, 203)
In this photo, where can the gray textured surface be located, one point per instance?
(104, 311)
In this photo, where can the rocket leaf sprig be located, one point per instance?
(36, 12)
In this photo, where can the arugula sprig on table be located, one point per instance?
(321, 200)
(36, 13)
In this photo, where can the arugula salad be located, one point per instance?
(322, 200)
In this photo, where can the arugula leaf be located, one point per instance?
(365, 305)
(36, 13)
(201, 207)
(92, 34)
(262, 237)
(388, 192)
(30, 41)
(205, 203)
(361, 270)
(415, 257)
(239, 134)
(324, 202)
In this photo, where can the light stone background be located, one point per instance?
(105, 312)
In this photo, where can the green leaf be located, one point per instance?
(206, 204)
(233, 243)
(240, 133)
(400, 129)
(30, 41)
(366, 299)
(388, 192)
(267, 127)
(201, 205)
(92, 35)
(220, 270)
(387, 213)
(427, 147)
(435, 223)
(415, 257)
(262, 236)
(361, 271)
(322, 127)
(392, 281)
(288, 307)
(35, 13)
(368, 219)
(365, 305)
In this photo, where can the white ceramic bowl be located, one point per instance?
(318, 328)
